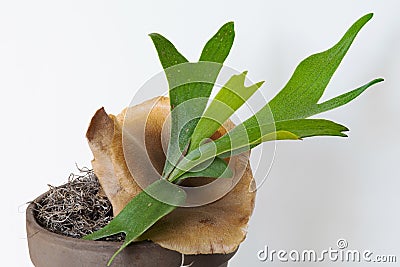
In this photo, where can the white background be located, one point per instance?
(61, 61)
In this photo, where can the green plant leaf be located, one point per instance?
(284, 130)
(312, 75)
(141, 213)
(184, 88)
(242, 139)
(226, 146)
(312, 127)
(217, 169)
(276, 135)
(295, 130)
(229, 98)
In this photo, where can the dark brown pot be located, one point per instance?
(48, 249)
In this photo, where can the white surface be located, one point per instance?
(60, 61)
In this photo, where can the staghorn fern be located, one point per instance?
(286, 116)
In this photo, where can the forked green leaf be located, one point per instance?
(229, 98)
(141, 213)
(304, 89)
(216, 50)
(299, 98)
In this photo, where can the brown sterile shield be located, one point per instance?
(218, 227)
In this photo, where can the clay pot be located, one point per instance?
(50, 249)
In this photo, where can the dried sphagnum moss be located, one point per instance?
(76, 208)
